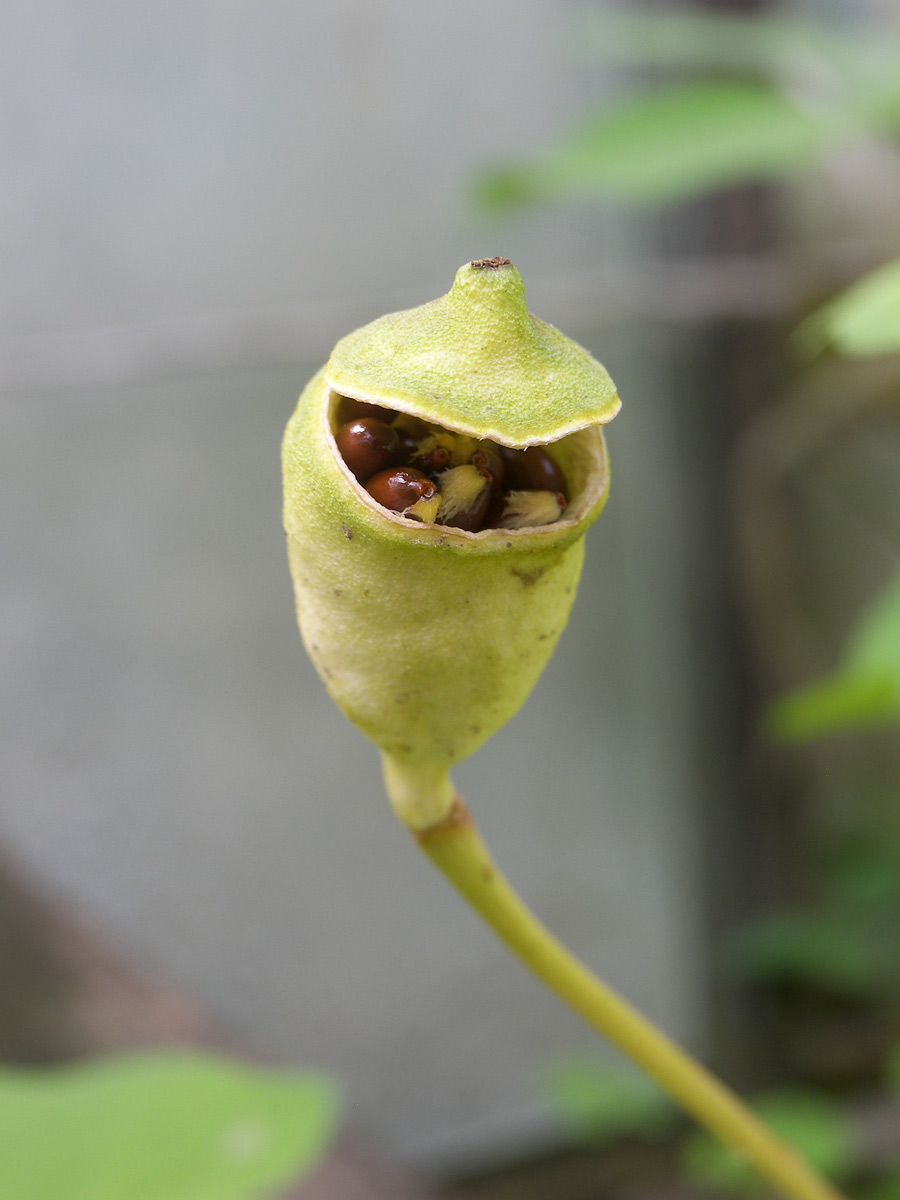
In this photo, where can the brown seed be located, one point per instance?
(495, 510)
(399, 487)
(367, 445)
(351, 409)
(465, 497)
(471, 519)
(488, 463)
(407, 445)
(533, 470)
(410, 430)
(432, 461)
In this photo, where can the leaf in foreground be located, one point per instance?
(173, 1126)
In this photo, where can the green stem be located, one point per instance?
(455, 846)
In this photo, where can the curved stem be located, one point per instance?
(455, 846)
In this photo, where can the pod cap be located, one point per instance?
(476, 360)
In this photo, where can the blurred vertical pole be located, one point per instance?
(749, 827)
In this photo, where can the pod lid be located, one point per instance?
(476, 360)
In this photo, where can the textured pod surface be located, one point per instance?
(478, 361)
(428, 637)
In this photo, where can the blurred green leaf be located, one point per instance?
(824, 949)
(863, 693)
(815, 1126)
(603, 1104)
(818, 85)
(892, 1070)
(857, 69)
(670, 144)
(862, 877)
(173, 1126)
(842, 703)
(875, 643)
(862, 321)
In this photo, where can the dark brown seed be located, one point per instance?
(399, 487)
(367, 445)
(408, 445)
(351, 409)
(533, 470)
(410, 430)
(495, 510)
(487, 462)
(471, 519)
(465, 498)
(437, 459)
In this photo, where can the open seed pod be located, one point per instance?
(429, 605)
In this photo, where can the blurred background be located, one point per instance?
(199, 200)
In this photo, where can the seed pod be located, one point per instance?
(451, 627)
(367, 445)
(398, 488)
(533, 469)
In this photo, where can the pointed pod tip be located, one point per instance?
(477, 361)
(488, 295)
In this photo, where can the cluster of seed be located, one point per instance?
(431, 474)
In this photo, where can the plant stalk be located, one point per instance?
(455, 847)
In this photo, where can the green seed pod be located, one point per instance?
(430, 637)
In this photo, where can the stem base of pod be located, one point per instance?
(421, 794)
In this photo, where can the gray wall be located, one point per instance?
(198, 200)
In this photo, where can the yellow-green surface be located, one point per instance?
(430, 638)
(478, 361)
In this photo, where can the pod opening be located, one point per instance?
(422, 472)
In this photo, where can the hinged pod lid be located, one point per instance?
(476, 360)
